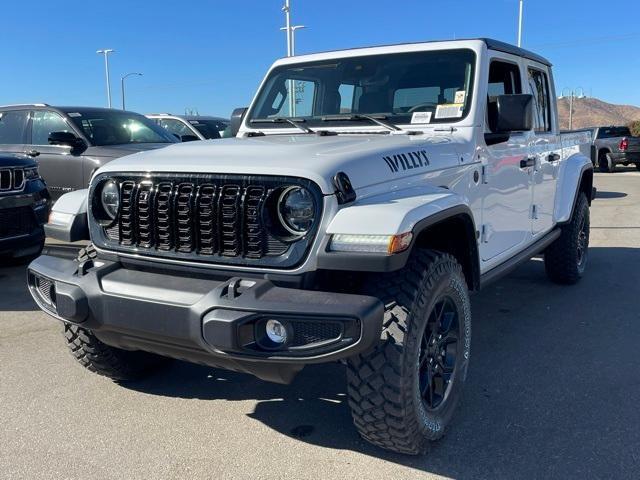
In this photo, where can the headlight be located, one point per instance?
(110, 198)
(31, 173)
(296, 210)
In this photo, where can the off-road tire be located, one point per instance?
(100, 358)
(384, 383)
(87, 253)
(603, 162)
(562, 259)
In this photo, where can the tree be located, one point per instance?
(635, 128)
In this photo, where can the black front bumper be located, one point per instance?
(30, 208)
(215, 321)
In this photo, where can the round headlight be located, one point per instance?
(296, 210)
(110, 199)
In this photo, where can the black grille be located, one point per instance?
(307, 332)
(211, 218)
(11, 179)
(16, 221)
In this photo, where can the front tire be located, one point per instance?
(100, 358)
(403, 392)
(565, 260)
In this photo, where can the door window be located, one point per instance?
(13, 127)
(175, 126)
(539, 85)
(43, 123)
(504, 79)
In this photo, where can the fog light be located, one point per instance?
(276, 332)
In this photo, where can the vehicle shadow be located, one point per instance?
(14, 295)
(608, 195)
(551, 391)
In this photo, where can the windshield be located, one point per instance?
(405, 88)
(209, 128)
(113, 127)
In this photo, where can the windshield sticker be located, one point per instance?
(461, 96)
(74, 114)
(421, 117)
(449, 110)
(407, 161)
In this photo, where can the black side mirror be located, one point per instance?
(189, 138)
(514, 113)
(236, 120)
(66, 138)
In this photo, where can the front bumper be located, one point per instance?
(216, 321)
(32, 205)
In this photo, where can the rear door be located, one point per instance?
(13, 131)
(545, 147)
(60, 168)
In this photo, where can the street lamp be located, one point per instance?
(106, 52)
(122, 79)
(291, 39)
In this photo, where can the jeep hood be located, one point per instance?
(366, 159)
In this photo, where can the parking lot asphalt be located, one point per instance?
(553, 391)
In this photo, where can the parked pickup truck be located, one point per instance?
(70, 143)
(614, 146)
(367, 193)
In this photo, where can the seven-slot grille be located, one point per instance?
(11, 179)
(203, 217)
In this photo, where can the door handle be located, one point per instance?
(528, 162)
(32, 153)
(554, 157)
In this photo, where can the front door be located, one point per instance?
(506, 218)
(59, 167)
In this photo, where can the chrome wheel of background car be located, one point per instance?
(438, 353)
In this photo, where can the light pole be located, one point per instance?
(122, 79)
(291, 50)
(106, 52)
(520, 23)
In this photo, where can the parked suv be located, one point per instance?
(24, 207)
(367, 193)
(70, 143)
(191, 127)
(615, 146)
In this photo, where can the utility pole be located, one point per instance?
(520, 23)
(122, 79)
(106, 52)
(572, 97)
(291, 51)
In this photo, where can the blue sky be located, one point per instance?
(210, 55)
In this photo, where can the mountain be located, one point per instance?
(591, 112)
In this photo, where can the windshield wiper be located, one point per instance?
(296, 122)
(377, 119)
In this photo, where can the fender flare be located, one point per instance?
(570, 185)
(68, 218)
(416, 210)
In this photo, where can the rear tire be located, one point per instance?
(603, 162)
(637, 166)
(100, 358)
(565, 260)
(404, 391)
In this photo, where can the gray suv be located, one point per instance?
(70, 143)
(191, 127)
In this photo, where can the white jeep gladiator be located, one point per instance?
(366, 193)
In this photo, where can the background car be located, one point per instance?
(70, 143)
(191, 127)
(614, 146)
(24, 207)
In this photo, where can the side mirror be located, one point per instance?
(66, 138)
(189, 138)
(514, 113)
(236, 120)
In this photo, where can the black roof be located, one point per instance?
(491, 44)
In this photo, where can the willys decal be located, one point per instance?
(407, 161)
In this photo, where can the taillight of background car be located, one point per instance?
(624, 144)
